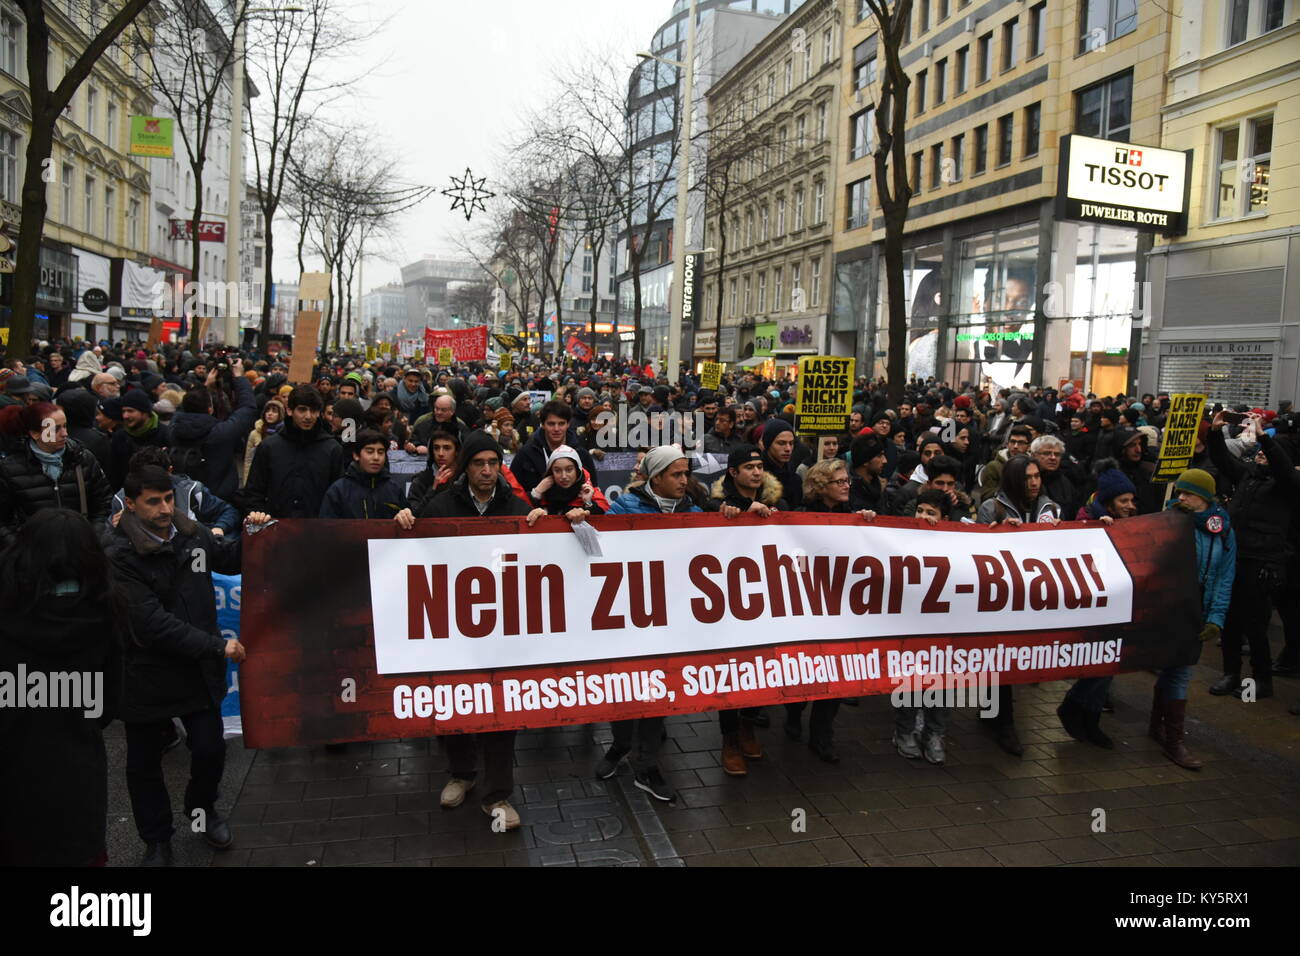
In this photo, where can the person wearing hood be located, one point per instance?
(1217, 572)
(366, 489)
(79, 405)
(87, 367)
(294, 468)
(270, 421)
(1265, 490)
(411, 395)
(140, 427)
(1130, 447)
(567, 488)
(211, 448)
(479, 489)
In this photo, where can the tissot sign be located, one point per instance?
(1123, 184)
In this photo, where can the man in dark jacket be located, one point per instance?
(1265, 490)
(79, 405)
(209, 450)
(50, 470)
(293, 468)
(366, 490)
(140, 427)
(778, 456)
(177, 663)
(478, 490)
(1130, 451)
(529, 465)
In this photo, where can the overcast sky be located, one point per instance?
(451, 81)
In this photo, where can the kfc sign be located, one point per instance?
(208, 231)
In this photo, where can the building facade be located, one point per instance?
(384, 310)
(999, 291)
(727, 31)
(770, 187)
(94, 256)
(1224, 319)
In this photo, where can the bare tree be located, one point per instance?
(190, 53)
(289, 51)
(892, 189)
(472, 302)
(47, 106)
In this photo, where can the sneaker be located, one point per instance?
(653, 783)
(173, 736)
(503, 811)
(934, 749)
(608, 765)
(906, 746)
(453, 795)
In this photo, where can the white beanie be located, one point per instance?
(659, 459)
(564, 451)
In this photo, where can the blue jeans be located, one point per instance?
(1172, 682)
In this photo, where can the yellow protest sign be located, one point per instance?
(385, 348)
(372, 353)
(711, 377)
(419, 355)
(445, 356)
(825, 395)
(507, 362)
(1179, 444)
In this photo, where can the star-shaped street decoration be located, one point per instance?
(467, 193)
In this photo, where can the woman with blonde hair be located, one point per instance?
(270, 422)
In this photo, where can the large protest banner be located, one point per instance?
(1179, 443)
(467, 345)
(514, 627)
(226, 589)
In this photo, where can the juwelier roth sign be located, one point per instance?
(1123, 184)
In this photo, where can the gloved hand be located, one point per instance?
(1210, 632)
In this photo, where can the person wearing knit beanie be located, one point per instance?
(1197, 482)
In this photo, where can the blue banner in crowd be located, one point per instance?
(228, 594)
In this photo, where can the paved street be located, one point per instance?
(377, 803)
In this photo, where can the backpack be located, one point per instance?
(189, 460)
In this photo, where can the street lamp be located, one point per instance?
(680, 226)
(235, 200)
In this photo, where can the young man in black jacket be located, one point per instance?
(211, 449)
(293, 468)
(177, 662)
(366, 490)
(478, 490)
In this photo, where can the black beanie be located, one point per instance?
(477, 442)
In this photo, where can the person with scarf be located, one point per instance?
(567, 488)
(411, 395)
(778, 446)
(50, 470)
(270, 423)
(140, 427)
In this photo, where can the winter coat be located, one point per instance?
(196, 501)
(991, 476)
(791, 480)
(715, 444)
(557, 501)
(78, 405)
(870, 496)
(122, 445)
(457, 502)
(53, 766)
(255, 438)
(422, 429)
(999, 508)
(1150, 495)
(1058, 486)
(1263, 498)
(358, 495)
(529, 464)
(26, 489)
(1216, 568)
(636, 500)
(217, 442)
(291, 472)
(175, 663)
(724, 492)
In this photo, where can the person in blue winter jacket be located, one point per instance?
(1216, 564)
(366, 490)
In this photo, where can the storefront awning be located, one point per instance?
(751, 362)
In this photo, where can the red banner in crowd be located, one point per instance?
(388, 634)
(467, 345)
(579, 349)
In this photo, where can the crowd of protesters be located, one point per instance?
(119, 464)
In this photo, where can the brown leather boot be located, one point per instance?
(733, 761)
(1175, 749)
(749, 745)
(1156, 727)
